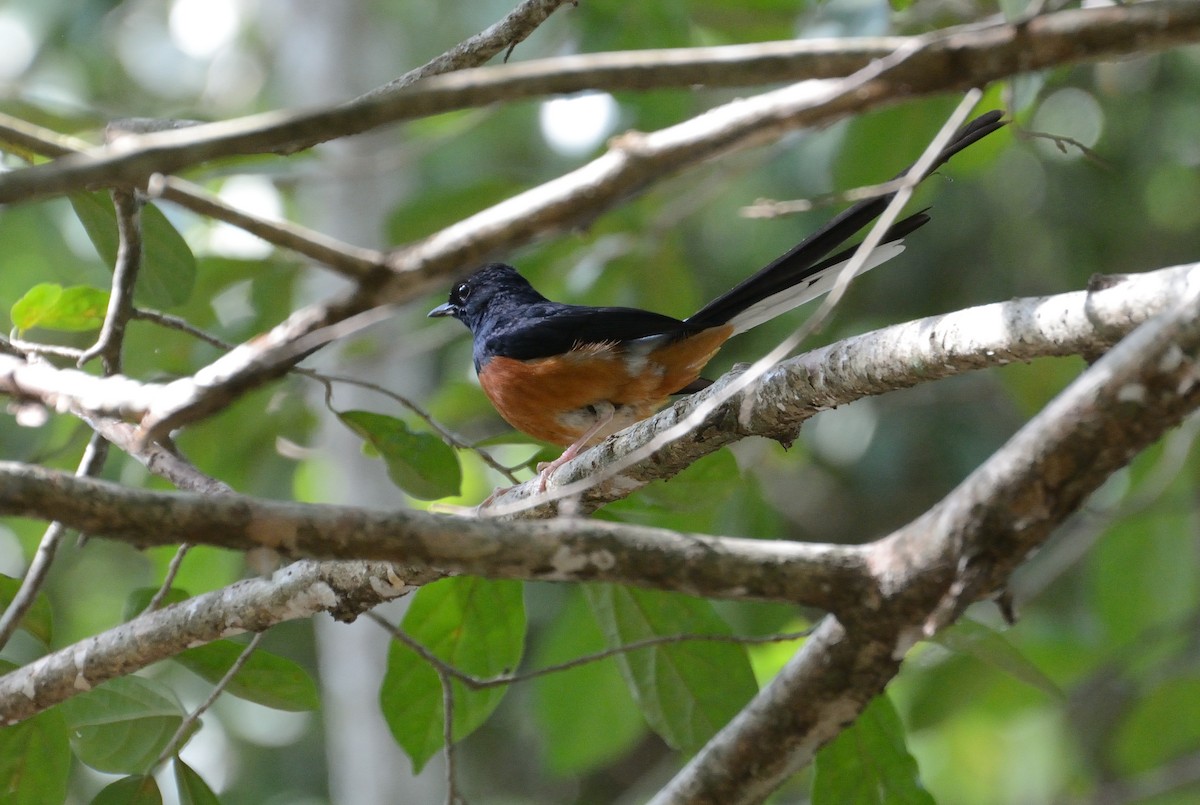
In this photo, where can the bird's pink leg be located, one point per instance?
(545, 468)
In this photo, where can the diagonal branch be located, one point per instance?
(351, 261)
(300, 590)
(506, 34)
(961, 550)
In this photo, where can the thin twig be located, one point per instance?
(451, 438)
(34, 348)
(183, 325)
(327, 380)
(93, 459)
(504, 35)
(448, 749)
(446, 672)
(120, 300)
(184, 728)
(348, 260)
(479, 683)
(447, 435)
(172, 571)
(1061, 141)
(768, 208)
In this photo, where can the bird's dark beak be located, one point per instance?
(438, 312)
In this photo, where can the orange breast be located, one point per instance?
(549, 398)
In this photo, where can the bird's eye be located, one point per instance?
(462, 291)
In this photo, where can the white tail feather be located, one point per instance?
(811, 288)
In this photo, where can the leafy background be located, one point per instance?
(1094, 693)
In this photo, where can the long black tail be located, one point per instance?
(808, 258)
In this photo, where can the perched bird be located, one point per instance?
(574, 375)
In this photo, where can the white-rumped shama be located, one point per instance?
(574, 375)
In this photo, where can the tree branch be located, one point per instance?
(959, 551)
(300, 590)
(351, 261)
(514, 28)
(94, 456)
(111, 340)
(956, 58)
(555, 550)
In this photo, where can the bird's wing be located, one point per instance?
(550, 328)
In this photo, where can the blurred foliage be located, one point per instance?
(869, 762)
(473, 625)
(1093, 693)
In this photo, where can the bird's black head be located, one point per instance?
(496, 290)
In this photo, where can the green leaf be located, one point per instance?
(168, 271)
(139, 599)
(1137, 582)
(869, 763)
(122, 726)
(768, 659)
(476, 626)
(35, 759)
(989, 646)
(900, 5)
(52, 307)
(686, 690)
(1162, 726)
(712, 495)
(138, 790)
(191, 786)
(27, 311)
(443, 206)
(265, 679)
(419, 463)
(585, 715)
(39, 620)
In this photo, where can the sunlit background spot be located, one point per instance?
(1070, 113)
(842, 437)
(257, 196)
(17, 46)
(574, 126)
(200, 28)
